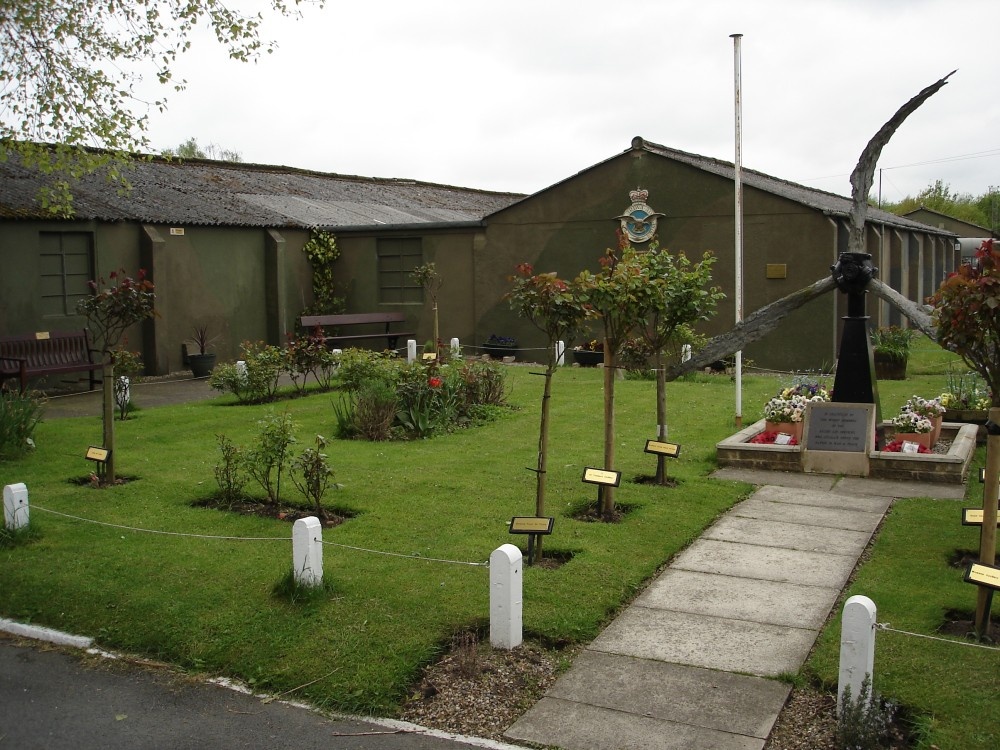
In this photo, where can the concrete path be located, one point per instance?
(691, 663)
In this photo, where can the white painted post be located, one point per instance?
(456, 348)
(685, 352)
(506, 574)
(241, 369)
(857, 646)
(560, 353)
(15, 506)
(307, 551)
(411, 351)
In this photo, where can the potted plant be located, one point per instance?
(891, 346)
(201, 360)
(499, 347)
(913, 428)
(590, 354)
(967, 400)
(929, 408)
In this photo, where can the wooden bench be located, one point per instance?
(47, 353)
(354, 320)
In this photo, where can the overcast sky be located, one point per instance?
(518, 95)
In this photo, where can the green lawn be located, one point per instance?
(208, 604)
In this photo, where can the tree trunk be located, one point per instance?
(608, 492)
(661, 417)
(108, 390)
(543, 451)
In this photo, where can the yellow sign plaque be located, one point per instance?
(663, 449)
(776, 270)
(974, 517)
(531, 525)
(429, 356)
(42, 336)
(602, 476)
(97, 454)
(983, 575)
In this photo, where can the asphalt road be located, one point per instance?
(52, 699)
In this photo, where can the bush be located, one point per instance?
(230, 472)
(375, 409)
(308, 355)
(270, 457)
(19, 415)
(865, 722)
(484, 383)
(257, 380)
(360, 366)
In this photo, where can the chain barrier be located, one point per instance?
(412, 556)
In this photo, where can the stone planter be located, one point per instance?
(588, 358)
(889, 367)
(969, 416)
(790, 428)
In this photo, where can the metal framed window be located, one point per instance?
(66, 263)
(397, 258)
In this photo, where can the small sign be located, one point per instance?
(41, 336)
(839, 427)
(531, 525)
(776, 270)
(983, 575)
(429, 356)
(177, 231)
(910, 447)
(97, 454)
(663, 449)
(782, 438)
(974, 517)
(602, 477)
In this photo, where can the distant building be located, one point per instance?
(222, 241)
(970, 236)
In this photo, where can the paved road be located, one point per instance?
(54, 700)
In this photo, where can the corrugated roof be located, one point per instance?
(204, 192)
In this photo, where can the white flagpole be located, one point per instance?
(738, 184)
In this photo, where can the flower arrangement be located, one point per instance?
(966, 391)
(929, 408)
(769, 437)
(591, 346)
(506, 341)
(896, 446)
(911, 422)
(790, 403)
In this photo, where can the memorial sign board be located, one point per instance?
(837, 438)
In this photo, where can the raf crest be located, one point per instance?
(639, 220)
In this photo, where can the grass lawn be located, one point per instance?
(208, 604)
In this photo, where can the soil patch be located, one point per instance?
(290, 513)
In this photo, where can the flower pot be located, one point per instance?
(791, 428)
(935, 429)
(588, 358)
(890, 367)
(920, 438)
(201, 364)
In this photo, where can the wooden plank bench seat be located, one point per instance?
(31, 355)
(353, 320)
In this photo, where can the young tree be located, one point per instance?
(681, 297)
(553, 307)
(620, 293)
(429, 278)
(69, 77)
(967, 314)
(110, 311)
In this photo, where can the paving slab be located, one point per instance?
(810, 515)
(710, 642)
(579, 726)
(776, 478)
(830, 499)
(770, 602)
(899, 488)
(766, 563)
(739, 704)
(733, 528)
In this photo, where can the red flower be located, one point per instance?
(434, 382)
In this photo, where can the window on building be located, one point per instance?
(66, 264)
(397, 258)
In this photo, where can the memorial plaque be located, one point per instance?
(663, 449)
(97, 454)
(839, 427)
(974, 517)
(983, 575)
(602, 477)
(531, 525)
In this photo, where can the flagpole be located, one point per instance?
(738, 185)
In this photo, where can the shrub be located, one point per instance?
(865, 722)
(484, 383)
(266, 461)
(308, 355)
(256, 381)
(230, 472)
(315, 474)
(360, 366)
(375, 409)
(19, 415)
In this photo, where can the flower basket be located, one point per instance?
(890, 366)
(499, 347)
